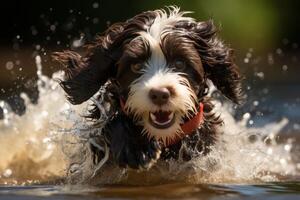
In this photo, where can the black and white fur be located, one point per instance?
(161, 50)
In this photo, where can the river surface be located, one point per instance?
(277, 190)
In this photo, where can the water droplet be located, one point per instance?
(246, 116)
(296, 126)
(9, 65)
(50, 146)
(46, 140)
(283, 161)
(33, 30)
(265, 91)
(7, 173)
(45, 113)
(255, 103)
(52, 27)
(38, 59)
(284, 67)
(285, 41)
(95, 20)
(246, 60)
(279, 51)
(6, 122)
(287, 147)
(37, 47)
(95, 5)
(270, 151)
(78, 42)
(260, 75)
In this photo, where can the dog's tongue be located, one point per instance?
(162, 116)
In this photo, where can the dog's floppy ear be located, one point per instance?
(218, 61)
(84, 75)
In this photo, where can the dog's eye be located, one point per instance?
(179, 64)
(136, 68)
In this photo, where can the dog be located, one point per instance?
(155, 68)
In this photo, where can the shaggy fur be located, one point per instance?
(155, 49)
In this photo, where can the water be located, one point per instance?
(249, 161)
(278, 190)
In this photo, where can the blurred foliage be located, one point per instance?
(259, 24)
(243, 23)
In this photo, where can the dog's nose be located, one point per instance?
(159, 96)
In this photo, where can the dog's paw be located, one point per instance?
(140, 156)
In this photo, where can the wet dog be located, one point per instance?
(155, 68)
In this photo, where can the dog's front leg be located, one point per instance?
(128, 146)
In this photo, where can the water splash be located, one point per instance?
(51, 140)
(27, 146)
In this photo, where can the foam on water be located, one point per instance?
(51, 139)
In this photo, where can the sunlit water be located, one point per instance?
(40, 146)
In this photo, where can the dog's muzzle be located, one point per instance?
(161, 119)
(164, 119)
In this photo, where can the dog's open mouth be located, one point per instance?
(162, 119)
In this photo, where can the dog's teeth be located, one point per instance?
(163, 123)
(153, 117)
(171, 115)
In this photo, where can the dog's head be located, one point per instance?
(161, 61)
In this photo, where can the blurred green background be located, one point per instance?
(264, 34)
